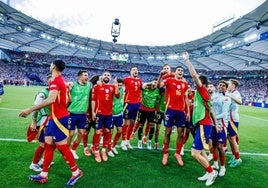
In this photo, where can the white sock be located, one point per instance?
(75, 173)
(44, 174)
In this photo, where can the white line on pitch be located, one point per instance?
(242, 153)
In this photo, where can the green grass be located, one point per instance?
(136, 168)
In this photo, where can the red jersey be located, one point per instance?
(205, 96)
(132, 90)
(59, 107)
(103, 96)
(175, 93)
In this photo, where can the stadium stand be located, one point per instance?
(28, 46)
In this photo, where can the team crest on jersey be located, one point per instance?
(106, 90)
(178, 86)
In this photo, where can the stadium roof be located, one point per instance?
(241, 45)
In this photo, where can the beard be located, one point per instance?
(106, 80)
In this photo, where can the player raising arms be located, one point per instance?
(204, 123)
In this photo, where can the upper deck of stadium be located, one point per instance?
(241, 45)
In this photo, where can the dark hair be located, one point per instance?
(120, 80)
(224, 82)
(132, 68)
(94, 79)
(81, 72)
(204, 80)
(59, 64)
(179, 67)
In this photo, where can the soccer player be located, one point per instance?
(211, 90)
(90, 122)
(102, 106)
(159, 116)
(233, 124)
(221, 105)
(39, 123)
(166, 71)
(150, 97)
(161, 107)
(132, 100)
(1, 90)
(79, 92)
(204, 123)
(189, 127)
(118, 108)
(176, 102)
(57, 129)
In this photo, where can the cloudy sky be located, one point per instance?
(143, 22)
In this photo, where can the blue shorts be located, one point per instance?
(189, 124)
(131, 111)
(201, 138)
(174, 118)
(41, 137)
(77, 120)
(53, 130)
(232, 128)
(219, 137)
(118, 120)
(104, 121)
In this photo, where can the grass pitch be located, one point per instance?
(135, 168)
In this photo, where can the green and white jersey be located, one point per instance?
(43, 112)
(118, 103)
(80, 98)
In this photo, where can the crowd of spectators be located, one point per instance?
(26, 68)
